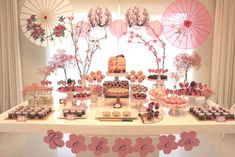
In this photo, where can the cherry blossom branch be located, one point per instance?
(163, 45)
(146, 43)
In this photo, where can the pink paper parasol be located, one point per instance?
(187, 24)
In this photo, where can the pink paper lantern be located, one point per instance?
(118, 28)
(154, 29)
(81, 28)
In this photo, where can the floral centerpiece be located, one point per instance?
(33, 92)
(184, 62)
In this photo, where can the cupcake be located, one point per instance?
(106, 114)
(126, 113)
(116, 113)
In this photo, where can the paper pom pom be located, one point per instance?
(99, 16)
(137, 16)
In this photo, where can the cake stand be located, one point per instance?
(174, 109)
(116, 76)
(158, 82)
(139, 103)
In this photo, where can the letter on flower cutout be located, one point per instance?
(144, 146)
(122, 146)
(54, 139)
(167, 143)
(188, 140)
(98, 145)
(76, 143)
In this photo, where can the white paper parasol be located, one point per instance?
(44, 22)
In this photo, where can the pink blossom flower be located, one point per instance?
(122, 147)
(144, 146)
(98, 145)
(188, 140)
(76, 143)
(159, 59)
(167, 143)
(54, 139)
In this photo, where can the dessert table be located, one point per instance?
(92, 126)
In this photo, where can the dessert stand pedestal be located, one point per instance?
(116, 76)
(139, 104)
(175, 109)
(158, 82)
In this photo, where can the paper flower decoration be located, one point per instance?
(154, 29)
(118, 28)
(45, 22)
(144, 146)
(99, 16)
(82, 28)
(137, 16)
(76, 143)
(54, 139)
(167, 144)
(188, 140)
(187, 24)
(122, 147)
(98, 145)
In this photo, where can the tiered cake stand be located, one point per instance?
(118, 103)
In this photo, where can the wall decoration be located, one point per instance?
(188, 140)
(118, 28)
(154, 29)
(122, 146)
(137, 16)
(54, 139)
(167, 143)
(99, 16)
(144, 146)
(76, 143)
(99, 145)
(44, 22)
(187, 24)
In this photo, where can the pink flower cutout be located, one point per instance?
(98, 145)
(122, 146)
(76, 143)
(54, 139)
(188, 140)
(167, 143)
(144, 146)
